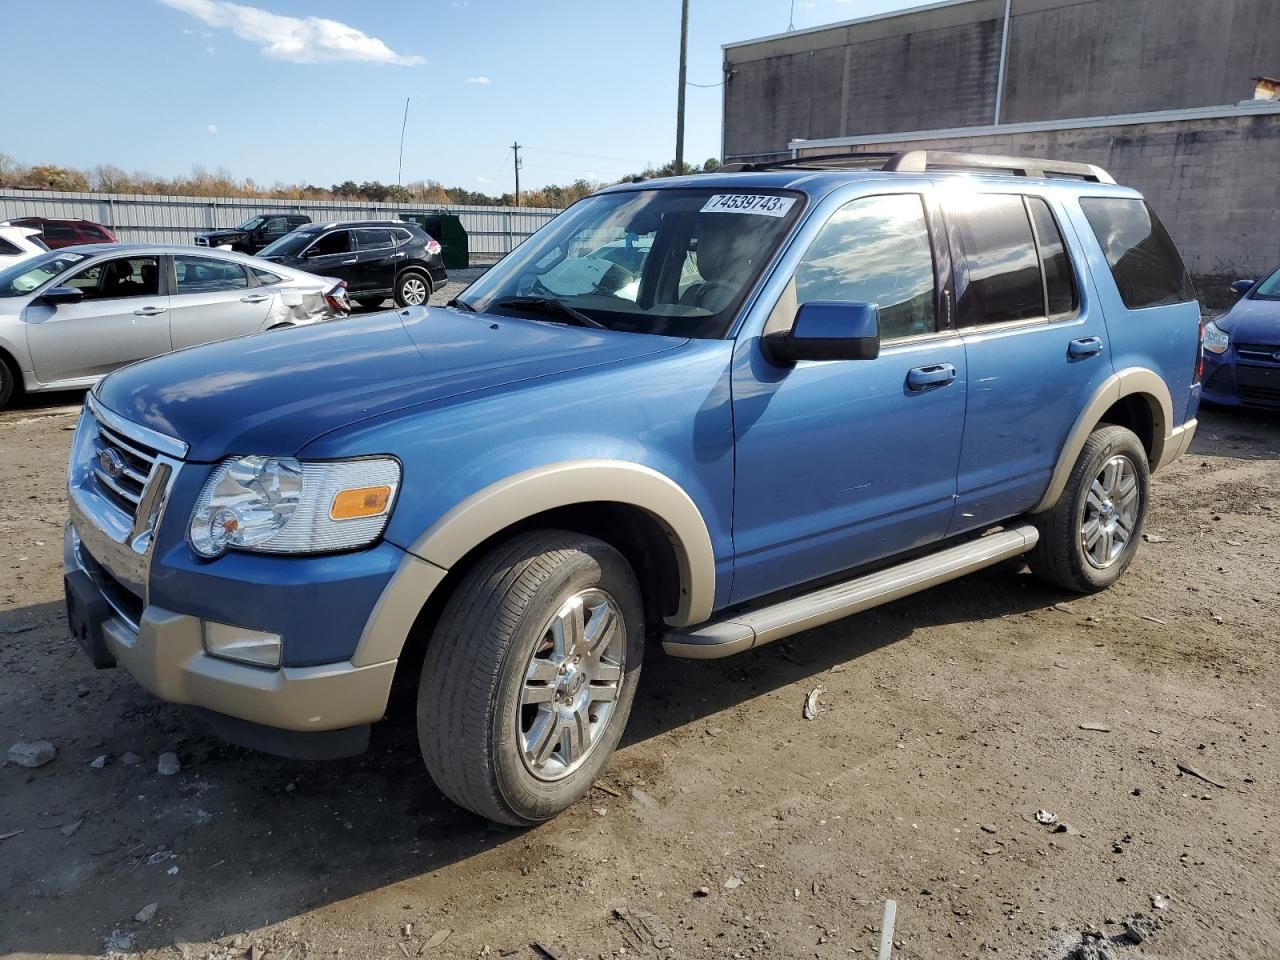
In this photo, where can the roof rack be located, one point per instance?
(922, 161)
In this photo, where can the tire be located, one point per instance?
(10, 382)
(370, 303)
(494, 650)
(413, 288)
(1091, 535)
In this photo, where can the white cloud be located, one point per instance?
(484, 80)
(480, 179)
(211, 128)
(295, 39)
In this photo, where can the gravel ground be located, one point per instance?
(727, 825)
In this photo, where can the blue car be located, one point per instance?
(809, 388)
(1242, 348)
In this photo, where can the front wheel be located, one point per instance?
(1090, 536)
(412, 289)
(529, 677)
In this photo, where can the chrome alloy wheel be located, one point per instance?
(413, 291)
(1110, 512)
(571, 684)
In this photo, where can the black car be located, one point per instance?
(255, 233)
(377, 259)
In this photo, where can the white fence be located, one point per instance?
(136, 218)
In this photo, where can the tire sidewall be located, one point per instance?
(1119, 443)
(8, 384)
(528, 798)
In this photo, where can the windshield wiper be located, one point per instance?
(455, 302)
(548, 305)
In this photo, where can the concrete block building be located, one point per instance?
(1172, 96)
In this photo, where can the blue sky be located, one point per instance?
(282, 90)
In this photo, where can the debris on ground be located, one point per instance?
(700, 892)
(604, 787)
(1068, 829)
(12, 833)
(1192, 771)
(642, 931)
(988, 828)
(35, 754)
(811, 708)
(1096, 727)
(1154, 538)
(67, 829)
(146, 913)
(1095, 944)
(117, 943)
(1064, 607)
(130, 759)
(886, 928)
(98, 762)
(733, 883)
(168, 764)
(1046, 818)
(435, 940)
(1159, 902)
(160, 856)
(1153, 619)
(600, 811)
(544, 951)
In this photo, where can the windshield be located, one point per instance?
(290, 245)
(251, 223)
(20, 279)
(1268, 289)
(676, 262)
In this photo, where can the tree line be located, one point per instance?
(108, 178)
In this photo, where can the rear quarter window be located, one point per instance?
(1144, 262)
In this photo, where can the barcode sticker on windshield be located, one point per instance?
(763, 204)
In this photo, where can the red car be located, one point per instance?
(66, 233)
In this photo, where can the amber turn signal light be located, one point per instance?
(360, 502)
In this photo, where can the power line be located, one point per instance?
(690, 83)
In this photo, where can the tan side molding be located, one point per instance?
(1123, 383)
(570, 482)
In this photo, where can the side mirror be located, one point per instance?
(1241, 287)
(828, 330)
(58, 295)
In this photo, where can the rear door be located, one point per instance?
(214, 299)
(124, 317)
(376, 258)
(1035, 344)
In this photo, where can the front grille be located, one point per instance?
(127, 605)
(1260, 385)
(1262, 396)
(1258, 352)
(122, 466)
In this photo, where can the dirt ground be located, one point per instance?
(727, 825)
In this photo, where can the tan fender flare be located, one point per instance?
(1128, 382)
(507, 502)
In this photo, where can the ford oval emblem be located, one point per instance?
(110, 462)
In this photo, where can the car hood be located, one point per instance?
(1253, 321)
(273, 393)
(222, 234)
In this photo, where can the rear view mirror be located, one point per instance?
(828, 330)
(57, 295)
(1242, 287)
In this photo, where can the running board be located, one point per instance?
(755, 628)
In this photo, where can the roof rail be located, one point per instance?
(922, 161)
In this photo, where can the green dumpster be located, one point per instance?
(447, 229)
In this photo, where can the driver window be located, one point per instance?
(337, 242)
(116, 279)
(875, 250)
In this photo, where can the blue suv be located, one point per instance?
(714, 411)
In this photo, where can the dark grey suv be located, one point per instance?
(377, 258)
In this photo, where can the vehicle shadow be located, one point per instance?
(1237, 432)
(257, 840)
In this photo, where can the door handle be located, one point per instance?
(255, 298)
(352, 260)
(934, 375)
(150, 311)
(1084, 347)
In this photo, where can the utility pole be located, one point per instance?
(684, 57)
(404, 123)
(515, 149)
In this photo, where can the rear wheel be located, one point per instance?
(1090, 536)
(9, 382)
(530, 675)
(413, 288)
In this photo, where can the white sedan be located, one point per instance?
(68, 317)
(19, 243)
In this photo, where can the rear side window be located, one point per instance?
(875, 250)
(206, 275)
(265, 278)
(7, 249)
(1144, 262)
(1059, 283)
(374, 238)
(1000, 252)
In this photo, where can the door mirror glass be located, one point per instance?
(1241, 287)
(828, 330)
(56, 295)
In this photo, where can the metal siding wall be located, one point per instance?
(160, 219)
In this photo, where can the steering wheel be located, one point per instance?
(707, 288)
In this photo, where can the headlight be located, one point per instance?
(282, 505)
(1215, 338)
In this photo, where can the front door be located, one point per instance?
(840, 463)
(212, 300)
(1036, 347)
(124, 317)
(333, 255)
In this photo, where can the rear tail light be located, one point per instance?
(433, 247)
(1200, 353)
(337, 300)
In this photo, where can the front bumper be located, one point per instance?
(164, 652)
(1232, 381)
